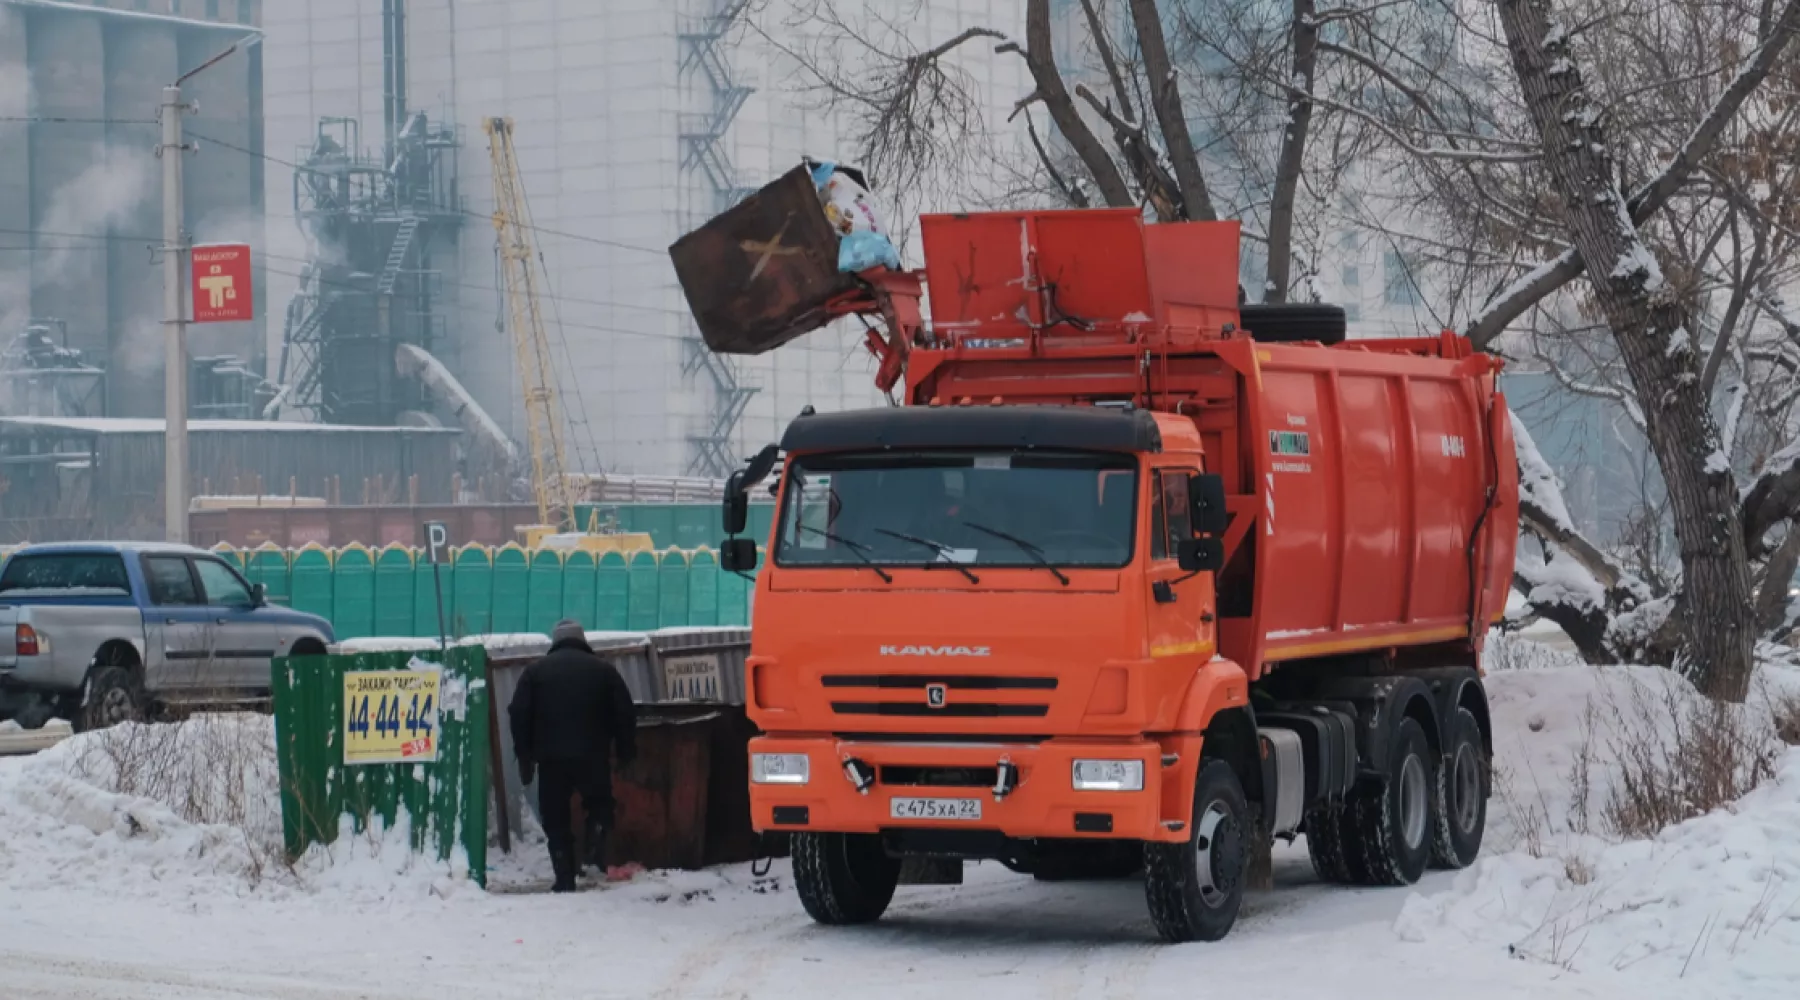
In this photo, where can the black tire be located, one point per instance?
(1325, 842)
(1389, 824)
(1195, 888)
(843, 878)
(1293, 322)
(1460, 807)
(114, 695)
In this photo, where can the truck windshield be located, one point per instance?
(66, 573)
(1075, 509)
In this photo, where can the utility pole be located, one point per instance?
(175, 252)
(175, 367)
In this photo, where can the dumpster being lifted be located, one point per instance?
(1137, 577)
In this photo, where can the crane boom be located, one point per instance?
(522, 267)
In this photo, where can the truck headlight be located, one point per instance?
(779, 768)
(1108, 776)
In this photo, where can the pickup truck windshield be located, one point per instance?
(1076, 509)
(68, 573)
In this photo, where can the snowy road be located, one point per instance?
(715, 935)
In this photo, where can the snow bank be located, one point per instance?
(1716, 898)
(185, 813)
(1712, 901)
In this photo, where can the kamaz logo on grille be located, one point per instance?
(937, 695)
(934, 651)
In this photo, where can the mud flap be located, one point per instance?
(931, 871)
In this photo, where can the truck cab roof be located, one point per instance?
(1076, 428)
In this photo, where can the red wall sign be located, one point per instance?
(222, 283)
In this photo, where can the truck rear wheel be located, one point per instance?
(1325, 836)
(1196, 887)
(1391, 823)
(1461, 803)
(843, 878)
(114, 695)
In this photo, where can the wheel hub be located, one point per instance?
(1221, 846)
(1465, 788)
(1413, 801)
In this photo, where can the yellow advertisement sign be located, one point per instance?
(391, 716)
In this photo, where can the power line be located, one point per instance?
(579, 237)
(64, 120)
(157, 241)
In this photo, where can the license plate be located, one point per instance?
(954, 809)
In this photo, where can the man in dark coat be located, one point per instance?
(570, 714)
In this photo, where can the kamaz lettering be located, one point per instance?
(934, 651)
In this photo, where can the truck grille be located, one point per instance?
(955, 682)
(954, 710)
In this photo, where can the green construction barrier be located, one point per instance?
(425, 595)
(445, 801)
(544, 591)
(703, 588)
(642, 604)
(760, 523)
(511, 610)
(233, 556)
(473, 612)
(734, 599)
(268, 566)
(679, 525)
(578, 588)
(394, 611)
(353, 593)
(312, 581)
(672, 589)
(612, 594)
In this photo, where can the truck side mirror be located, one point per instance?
(735, 512)
(1200, 555)
(1206, 504)
(738, 555)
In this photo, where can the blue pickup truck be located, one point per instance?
(104, 632)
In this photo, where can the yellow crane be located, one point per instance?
(523, 269)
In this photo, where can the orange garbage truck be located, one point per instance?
(1133, 578)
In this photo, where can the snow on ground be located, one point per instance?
(123, 881)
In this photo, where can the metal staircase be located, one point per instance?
(703, 153)
(396, 258)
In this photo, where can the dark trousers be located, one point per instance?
(558, 782)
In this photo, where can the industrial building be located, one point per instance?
(80, 200)
(635, 120)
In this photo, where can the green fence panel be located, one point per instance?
(394, 592)
(268, 566)
(544, 591)
(353, 593)
(425, 595)
(444, 801)
(612, 594)
(643, 611)
(578, 588)
(734, 599)
(311, 581)
(761, 522)
(656, 520)
(231, 554)
(474, 608)
(511, 602)
(672, 589)
(703, 588)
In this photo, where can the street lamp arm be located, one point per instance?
(248, 42)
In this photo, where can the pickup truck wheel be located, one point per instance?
(114, 695)
(1196, 887)
(843, 878)
(1461, 804)
(1391, 822)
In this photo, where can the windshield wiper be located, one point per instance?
(1036, 553)
(857, 549)
(939, 547)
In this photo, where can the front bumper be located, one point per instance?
(1043, 804)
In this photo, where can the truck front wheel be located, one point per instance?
(1195, 888)
(114, 695)
(843, 878)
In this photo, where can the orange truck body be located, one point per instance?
(1372, 495)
